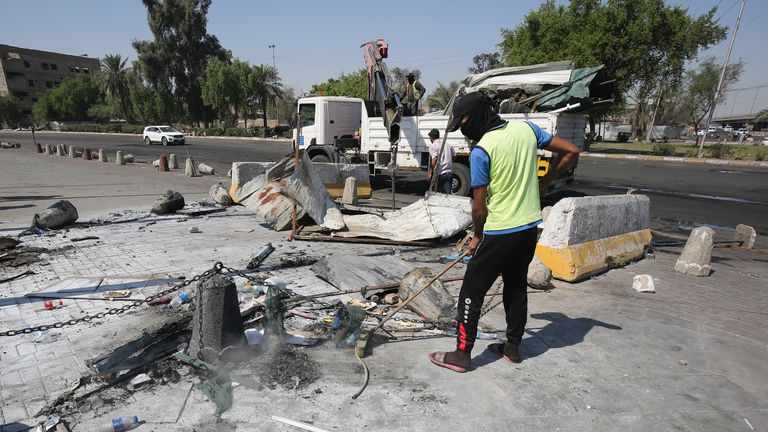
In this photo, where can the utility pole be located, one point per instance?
(722, 76)
(277, 112)
(653, 117)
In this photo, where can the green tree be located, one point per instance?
(107, 109)
(353, 85)
(174, 61)
(441, 95)
(640, 42)
(113, 80)
(10, 111)
(150, 105)
(225, 88)
(265, 88)
(485, 62)
(701, 85)
(285, 106)
(69, 101)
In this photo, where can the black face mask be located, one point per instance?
(481, 120)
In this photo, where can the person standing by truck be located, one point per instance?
(443, 167)
(413, 93)
(505, 211)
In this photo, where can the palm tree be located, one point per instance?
(113, 79)
(265, 87)
(441, 95)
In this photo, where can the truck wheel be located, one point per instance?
(461, 180)
(320, 158)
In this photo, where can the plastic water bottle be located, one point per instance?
(183, 297)
(118, 425)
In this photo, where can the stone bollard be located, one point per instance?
(217, 323)
(87, 154)
(190, 170)
(61, 150)
(72, 152)
(102, 156)
(129, 158)
(697, 253)
(163, 166)
(746, 235)
(38, 148)
(204, 168)
(350, 191)
(172, 163)
(48, 149)
(119, 158)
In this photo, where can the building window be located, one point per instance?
(31, 83)
(20, 94)
(49, 84)
(54, 66)
(86, 71)
(12, 75)
(45, 66)
(26, 64)
(56, 84)
(72, 69)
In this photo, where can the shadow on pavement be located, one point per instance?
(562, 331)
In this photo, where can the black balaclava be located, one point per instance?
(481, 120)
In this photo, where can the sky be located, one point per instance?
(317, 40)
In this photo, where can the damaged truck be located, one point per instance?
(555, 96)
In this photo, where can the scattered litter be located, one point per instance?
(748, 423)
(643, 283)
(117, 294)
(254, 336)
(260, 256)
(139, 381)
(194, 230)
(45, 257)
(118, 425)
(682, 363)
(454, 256)
(301, 338)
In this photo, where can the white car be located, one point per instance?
(162, 134)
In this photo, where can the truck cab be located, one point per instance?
(328, 125)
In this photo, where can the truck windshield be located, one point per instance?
(307, 114)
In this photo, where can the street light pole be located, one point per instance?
(720, 83)
(277, 110)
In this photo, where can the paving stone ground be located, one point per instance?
(598, 356)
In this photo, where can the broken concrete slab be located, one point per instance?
(350, 191)
(58, 215)
(435, 303)
(301, 183)
(205, 169)
(438, 216)
(220, 195)
(170, 202)
(350, 272)
(244, 172)
(264, 199)
(697, 253)
(539, 276)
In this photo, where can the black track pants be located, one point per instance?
(507, 255)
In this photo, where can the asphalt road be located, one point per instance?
(682, 195)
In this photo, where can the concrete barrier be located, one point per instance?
(119, 160)
(334, 177)
(243, 172)
(588, 235)
(60, 150)
(72, 152)
(172, 163)
(102, 156)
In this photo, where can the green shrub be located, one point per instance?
(663, 149)
(720, 151)
(760, 155)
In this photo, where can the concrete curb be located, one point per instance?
(761, 164)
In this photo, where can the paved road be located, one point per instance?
(220, 153)
(681, 194)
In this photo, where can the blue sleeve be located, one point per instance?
(543, 138)
(479, 167)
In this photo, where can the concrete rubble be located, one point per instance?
(56, 216)
(643, 283)
(170, 202)
(220, 195)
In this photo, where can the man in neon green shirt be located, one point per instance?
(505, 211)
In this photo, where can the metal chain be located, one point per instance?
(490, 304)
(217, 268)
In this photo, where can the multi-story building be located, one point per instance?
(27, 73)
